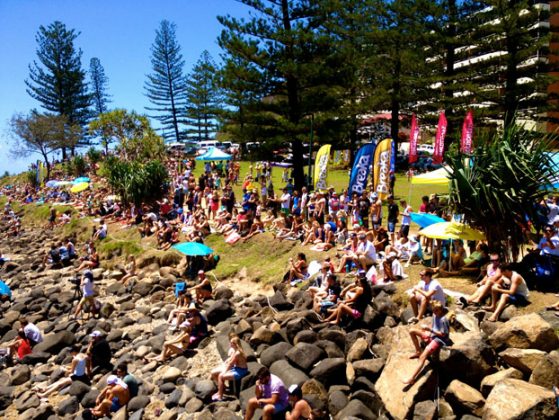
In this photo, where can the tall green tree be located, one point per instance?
(203, 99)
(57, 80)
(283, 40)
(99, 84)
(166, 86)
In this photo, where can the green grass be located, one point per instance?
(109, 245)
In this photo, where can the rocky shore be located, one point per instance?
(502, 370)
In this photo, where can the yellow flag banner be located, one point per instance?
(321, 168)
(381, 168)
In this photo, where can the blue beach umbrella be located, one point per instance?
(80, 180)
(426, 219)
(52, 183)
(5, 289)
(193, 249)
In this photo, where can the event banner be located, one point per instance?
(381, 168)
(439, 140)
(361, 169)
(414, 134)
(321, 168)
(467, 134)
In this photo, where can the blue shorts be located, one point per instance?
(115, 406)
(279, 407)
(391, 227)
(325, 304)
(239, 373)
(518, 300)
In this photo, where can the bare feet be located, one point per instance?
(492, 319)
(488, 308)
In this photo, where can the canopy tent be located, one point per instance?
(436, 177)
(214, 153)
(452, 230)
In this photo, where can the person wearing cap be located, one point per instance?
(112, 398)
(300, 408)
(100, 353)
(88, 292)
(78, 370)
(366, 252)
(271, 396)
(203, 290)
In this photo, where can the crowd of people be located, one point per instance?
(372, 243)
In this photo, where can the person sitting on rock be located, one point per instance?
(300, 408)
(516, 293)
(115, 396)
(129, 269)
(270, 395)
(17, 349)
(91, 261)
(203, 289)
(88, 293)
(194, 329)
(235, 368)
(298, 270)
(425, 294)
(52, 257)
(434, 337)
(355, 305)
(326, 300)
(492, 277)
(184, 305)
(77, 371)
(31, 331)
(129, 379)
(392, 268)
(100, 353)
(320, 284)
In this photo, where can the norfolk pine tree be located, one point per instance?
(57, 81)
(166, 86)
(98, 82)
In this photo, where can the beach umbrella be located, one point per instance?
(52, 183)
(81, 179)
(425, 219)
(77, 188)
(63, 183)
(437, 177)
(452, 230)
(193, 249)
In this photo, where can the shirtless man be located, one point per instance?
(493, 277)
(517, 293)
(112, 398)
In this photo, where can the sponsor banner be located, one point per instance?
(321, 168)
(467, 134)
(414, 135)
(361, 169)
(439, 139)
(381, 168)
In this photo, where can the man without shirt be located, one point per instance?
(517, 293)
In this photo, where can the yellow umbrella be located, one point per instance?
(452, 230)
(437, 177)
(82, 186)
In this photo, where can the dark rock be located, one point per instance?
(143, 288)
(304, 355)
(88, 400)
(264, 335)
(356, 409)
(334, 334)
(5, 396)
(306, 336)
(138, 402)
(53, 343)
(204, 390)
(173, 399)
(331, 349)
(193, 405)
(425, 410)
(369, 368)
(294, 326)
(180, 363)
(274, 353)
(337, 400)
(287, 373)
(222, 292)
(43, 412)
(330, 372)
(69, 405)
(167, 387)
(280, 302)
(20, 375)
(26, 401)
(79, 389)
(370, 399)
(219, 311)
(546, 372)
(384, 304)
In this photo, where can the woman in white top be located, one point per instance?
(79, 370)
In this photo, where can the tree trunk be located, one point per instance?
(395, 104)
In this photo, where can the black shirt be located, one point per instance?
(364, 205)
(101, 354)
(393, 212)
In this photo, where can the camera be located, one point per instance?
(75, 281)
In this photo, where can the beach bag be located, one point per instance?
(179, 287)
(233, 238)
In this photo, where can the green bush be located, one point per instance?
(31, 178)
(94, 155)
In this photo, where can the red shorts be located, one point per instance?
(432, 345)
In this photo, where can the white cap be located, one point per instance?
(96, 333)
(556, 219)
(392, 254)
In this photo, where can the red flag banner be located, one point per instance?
(467, 134)
(414, 134)
(439, 139)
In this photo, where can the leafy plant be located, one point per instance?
(498, 186)
(94, 155)
(31, 178)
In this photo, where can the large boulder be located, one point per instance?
(355, 409)
(264, 335)
(288, 374)
(469, 349)
(398, 398)
(337, 400)
(529, 331)
(425, 410)
(304, 355)
(219, 311)
(53, 343)
(546, 372)
(369, 368)
(330, 371)
(464, 399)
(524, 360)
(516, 399)
(489, 381)
(274, 353)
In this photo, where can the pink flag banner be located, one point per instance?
(466, 142)
(439, 139)
(414, 134)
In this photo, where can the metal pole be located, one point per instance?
(309, 179)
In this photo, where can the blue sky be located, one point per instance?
(118, 32)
